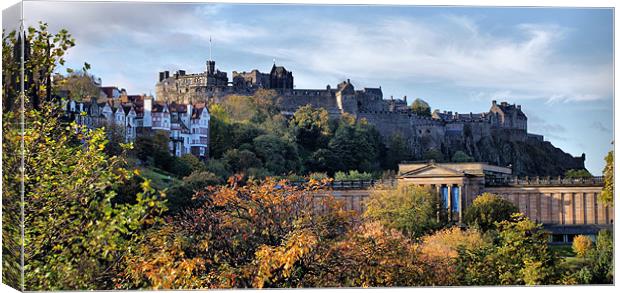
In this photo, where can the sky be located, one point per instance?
(555, 62)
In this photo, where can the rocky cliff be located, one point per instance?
(528, 157)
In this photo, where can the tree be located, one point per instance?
(245, 234)
(74, 226)
(356, 144)
(311, 127)
(581, 173)
(45, 51)
(369, 256)
(398, 150)
(421, 108)
(488, 209)
(79, 84)
(607, 195)
(582, 245)
(519, 256)
(460, 157)
(279, 155)
(153, 150)
(240, 161)
(433, 154)
(409, 209)
(599, 268)
(324, 160)
(441, 249)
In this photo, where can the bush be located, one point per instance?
(582, 245)
(352, 175)
(318, 176)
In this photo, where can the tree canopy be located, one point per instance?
(421, 108)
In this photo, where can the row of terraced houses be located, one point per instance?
(132, 115)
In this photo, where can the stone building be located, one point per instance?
(187, 125)
(564, 206)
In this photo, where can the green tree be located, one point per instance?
(520, 256)
(460, 157)
(356, 144)
(279, 155)
(74, 227)
(409, 209)
(397, 150)
(599, 268)
(46, 52)
(607, 195)
(581, 173)
(311, 127)
(421, 108)
(487, 210)
(433, 154)
(241, 161)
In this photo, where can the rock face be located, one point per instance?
(527, 157)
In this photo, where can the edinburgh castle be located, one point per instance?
(499, 136)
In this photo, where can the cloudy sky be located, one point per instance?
(556, 62)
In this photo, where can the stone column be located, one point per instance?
(449, 203)
(461, 203)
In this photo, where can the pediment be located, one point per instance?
(432, 171)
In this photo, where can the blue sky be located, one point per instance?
(555, 62)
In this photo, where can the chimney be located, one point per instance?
(348, 80)
(161, 76)
(405, 98)
(519, 107)
(494, 103)
(166, 74)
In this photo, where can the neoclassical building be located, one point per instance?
(565, 206)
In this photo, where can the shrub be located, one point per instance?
(352, 175)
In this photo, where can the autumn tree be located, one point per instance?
(488, 209)
(371, 255)
(79, 84)
(440, 250)
(245, 234)
(582, 245)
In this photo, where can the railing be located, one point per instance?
(356, 184)
(545, 181)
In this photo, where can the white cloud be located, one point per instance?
(450, 50)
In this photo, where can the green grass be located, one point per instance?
(563, 250)
(160, 179)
